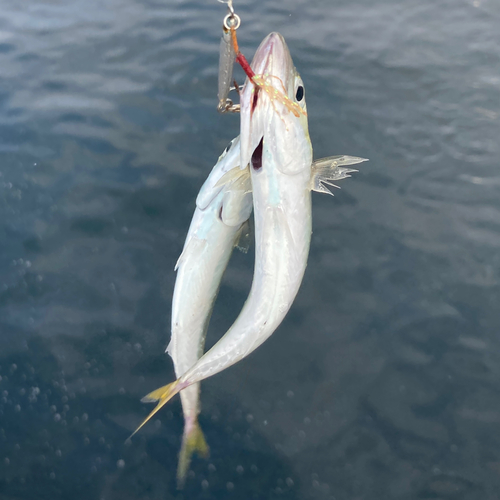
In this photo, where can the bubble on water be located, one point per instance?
(290, 394)
(289, 482)
(17, 408)
(240, 469)
(230, 486)
(6, 461)
(212, 468)
(57, 417)
(121, 390)
(204, 484)
(265, 422)
(249, 418)
(53, 408)
(85, 417)
(58, 453)
(307, 421)
(120, 464)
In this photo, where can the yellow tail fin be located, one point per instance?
(163, 395)
(192, 441)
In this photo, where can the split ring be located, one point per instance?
(232, 21)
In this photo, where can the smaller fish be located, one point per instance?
(219, 220)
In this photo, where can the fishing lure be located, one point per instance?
(227, 57)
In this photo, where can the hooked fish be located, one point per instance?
(276, 157)
(218, 222)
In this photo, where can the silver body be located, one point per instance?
(282, 210)
(215, 228)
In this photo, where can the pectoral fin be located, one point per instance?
(326, 170)
(233, 175)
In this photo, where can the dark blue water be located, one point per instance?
(382, 383)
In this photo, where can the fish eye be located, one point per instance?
(299, 95)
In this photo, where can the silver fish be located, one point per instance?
(220, 218)
(276, 155)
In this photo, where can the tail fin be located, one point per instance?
(193, 440)
(163, 395)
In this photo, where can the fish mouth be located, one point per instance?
(272, 57)
(273, 60)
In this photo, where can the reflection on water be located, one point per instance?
(382, 382)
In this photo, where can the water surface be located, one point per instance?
(382, 382)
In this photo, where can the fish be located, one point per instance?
(219, 222)
(276, 157)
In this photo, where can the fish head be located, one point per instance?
(273, 109)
